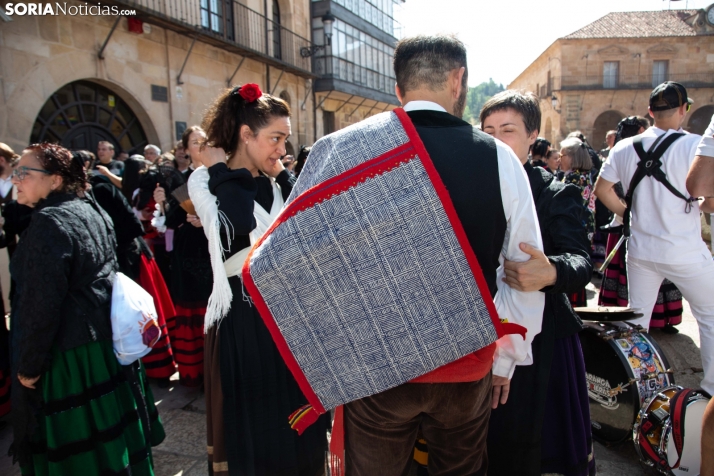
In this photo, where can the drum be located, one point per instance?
(623, 367)
(606, 313)
(654, 431)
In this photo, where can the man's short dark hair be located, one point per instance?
(524, 103)
(426, 61)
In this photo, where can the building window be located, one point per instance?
(660, 70)
(610, 74)
(212, 15)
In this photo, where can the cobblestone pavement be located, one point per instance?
(183, 413)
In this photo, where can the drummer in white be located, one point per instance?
(665, 239)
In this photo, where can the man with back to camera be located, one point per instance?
(452, 403)
(665, 228)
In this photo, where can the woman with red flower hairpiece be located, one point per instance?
(237, 193)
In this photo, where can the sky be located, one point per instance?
(504, 36)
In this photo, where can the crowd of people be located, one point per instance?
(182, 224)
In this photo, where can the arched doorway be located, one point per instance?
(82, 113)
(605, 122)
(700, 119)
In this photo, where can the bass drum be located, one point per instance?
(623, 367)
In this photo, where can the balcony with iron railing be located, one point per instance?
(229, 25)
(354, 78)
(642, 81)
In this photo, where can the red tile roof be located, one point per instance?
(638, 25)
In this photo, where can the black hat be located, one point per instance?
(668, 95)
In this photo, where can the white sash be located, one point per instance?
(263, 220)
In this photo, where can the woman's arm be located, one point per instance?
(44, 287)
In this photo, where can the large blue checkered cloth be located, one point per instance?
(370, 288)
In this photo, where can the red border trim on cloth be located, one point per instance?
(501, 328)
(326, 190)
(339, 184)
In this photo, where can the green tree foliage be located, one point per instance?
(477, 97)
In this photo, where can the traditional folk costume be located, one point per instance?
(5, 197)
(396, 279)
(17, 219)
(582, 180)
(88, 414)
(258, 390)
(544, 427)
(136, 261)
(191, 283)
(665, 239)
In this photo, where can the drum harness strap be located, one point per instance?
(677, 410)
(650, 165)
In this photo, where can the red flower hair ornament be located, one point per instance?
(250, 92)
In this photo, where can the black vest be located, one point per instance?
(467, 162)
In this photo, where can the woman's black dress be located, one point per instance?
(259, 391)
(191, 285)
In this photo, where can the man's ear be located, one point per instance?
(456, 77)
(398, 92)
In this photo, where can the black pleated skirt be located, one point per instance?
(259, 393)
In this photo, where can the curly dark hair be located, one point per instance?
(58, 161)
(540, 147)
(224, 118)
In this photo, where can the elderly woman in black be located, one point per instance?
(76, 410)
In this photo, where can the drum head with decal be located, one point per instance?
(623, 367)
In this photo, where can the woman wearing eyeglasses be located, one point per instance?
(75, 409)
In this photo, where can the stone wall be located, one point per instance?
(40, 54)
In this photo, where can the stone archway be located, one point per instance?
(604, 122)
(81, 113)
(700, 119)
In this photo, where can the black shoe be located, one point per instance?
(163, 382)
(670, 329)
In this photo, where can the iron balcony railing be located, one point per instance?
(643, 81)
(230, 23)
(338, 68)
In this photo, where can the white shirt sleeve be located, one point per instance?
(706, 145)
(609, 170)
(525, 309)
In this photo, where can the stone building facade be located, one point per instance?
(143, 78)
(594, 77)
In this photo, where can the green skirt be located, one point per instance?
(92, 422)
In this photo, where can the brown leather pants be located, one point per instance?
(381, 430)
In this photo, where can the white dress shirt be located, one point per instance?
(661, 230)
(517, 307)
(5, 186)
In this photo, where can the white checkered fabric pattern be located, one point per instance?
(370, 288)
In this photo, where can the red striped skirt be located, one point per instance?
(186, 333)
(613, 290)
(159, 363)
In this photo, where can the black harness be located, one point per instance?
(650, 166)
